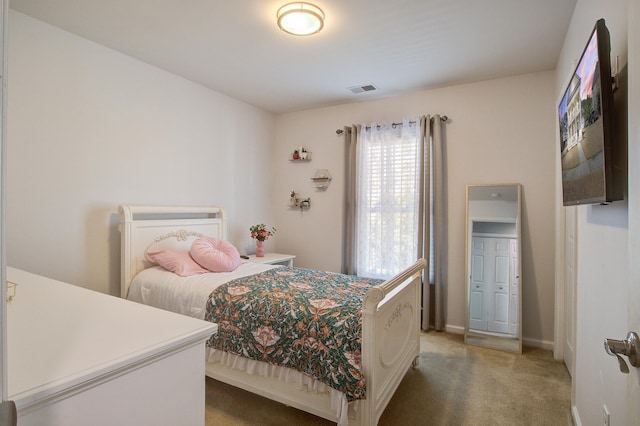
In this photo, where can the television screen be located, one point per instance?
(586, 131)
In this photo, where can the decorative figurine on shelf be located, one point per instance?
(305, 203)
(294, 200)
(303, 153)
(296, 155)
(261, 233)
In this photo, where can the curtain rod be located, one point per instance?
(442, 118)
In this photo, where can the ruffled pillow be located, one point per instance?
(177, 261)
(215, 254)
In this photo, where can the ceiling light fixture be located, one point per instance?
(300, 18)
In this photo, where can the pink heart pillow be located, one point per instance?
(177, 261)
(215, 254)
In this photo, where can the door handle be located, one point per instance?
(627, 347)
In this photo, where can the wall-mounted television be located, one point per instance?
(587, 135)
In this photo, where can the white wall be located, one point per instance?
(602, 256)
(90, 128)
(500, 131)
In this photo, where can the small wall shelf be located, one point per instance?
(296, 201)
(321, 179)
(300, 154)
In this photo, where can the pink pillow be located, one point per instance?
(215, 254)
(177, 261)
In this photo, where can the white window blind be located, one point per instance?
(388, 197)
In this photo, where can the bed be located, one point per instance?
(390, 312)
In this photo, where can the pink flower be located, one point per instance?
(324, 303)
(260, 232)
(301, 286)
(360, 284)
(354, 358)
(238, 290)
(310, 343)
(265, 336)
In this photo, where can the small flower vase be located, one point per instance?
(259, 248)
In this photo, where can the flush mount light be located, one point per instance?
(300, 18)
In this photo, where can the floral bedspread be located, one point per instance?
(303, 319)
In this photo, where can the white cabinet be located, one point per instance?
(274, 259)
(79, 357)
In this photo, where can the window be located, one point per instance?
(388, 199)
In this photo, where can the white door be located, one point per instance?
(490, 284)
(570, 287)
(514, 290)
(633, 380)
(477, 319)
(498, 307)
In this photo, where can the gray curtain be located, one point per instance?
(431, 211)
(351, 135)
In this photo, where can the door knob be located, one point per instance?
(627, 347)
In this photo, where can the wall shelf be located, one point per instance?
(303, 156)
(296, 201)
(321, 179)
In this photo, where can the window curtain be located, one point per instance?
(431, 228)
(351, 136)
(427, 198)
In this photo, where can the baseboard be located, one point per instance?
(575, 416)
(534, 343)
(540, 344)
(455, 329)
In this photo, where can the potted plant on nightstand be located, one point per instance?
(261, 233)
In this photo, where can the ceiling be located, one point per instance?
(401, 46)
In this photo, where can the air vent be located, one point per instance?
(363, 88)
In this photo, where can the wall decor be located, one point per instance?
(297, 201)
(321, 179)
(300, 154)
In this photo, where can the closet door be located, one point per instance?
(477, 317)
(499, 260)
(514, 288)
(489, 303)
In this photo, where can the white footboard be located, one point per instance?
(390, 339)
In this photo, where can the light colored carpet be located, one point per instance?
(455, 384)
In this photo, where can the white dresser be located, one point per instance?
(79, 357)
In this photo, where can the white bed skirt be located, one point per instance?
(305, 383)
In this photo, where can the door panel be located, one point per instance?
(514, 289)
(477, 319)
(500, 320)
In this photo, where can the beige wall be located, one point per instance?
(500, 131)
(90, 128)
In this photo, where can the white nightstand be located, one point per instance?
(274, 259)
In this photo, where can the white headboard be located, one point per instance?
(163, 227)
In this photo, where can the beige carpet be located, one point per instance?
(455, 384)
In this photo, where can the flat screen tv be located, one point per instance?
(587, 139)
